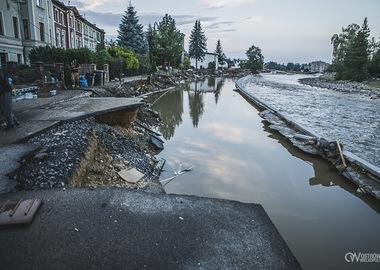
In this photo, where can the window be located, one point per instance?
(3, 59)
(19, 59)
(61, 18)
(63, 39)
(40, 3)
(42, 31)
(58, 37)
(1, 24)
(26, 28)
(56, 17)
(15, 26)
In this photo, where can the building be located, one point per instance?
(11, 45)
(209, 58)
(23, 26)
(92, 35)
(26, 24)
(318, 66)
(74, 31)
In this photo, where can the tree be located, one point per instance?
(355, 63)
(170, 42)
(130, 33)
(255, 59)
(351, 50)
(197, 44)
(219, 51)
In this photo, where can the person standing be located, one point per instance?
(6, 102)
(74, 67)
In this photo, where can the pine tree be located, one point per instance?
(131, 32)
(197, 44)
(355, 63)
(351, 51)
(170, 41)
(219, 51)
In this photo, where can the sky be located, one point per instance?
(297, 31)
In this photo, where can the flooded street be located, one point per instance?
(319, 213)
(352, 118)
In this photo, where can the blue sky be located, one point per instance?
(285, 30)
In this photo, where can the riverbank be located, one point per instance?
(365, 175)
(370, 88)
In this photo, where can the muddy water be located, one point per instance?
(352, 118)
(320, 214)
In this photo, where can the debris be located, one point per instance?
(158, 168)
(157, 142)
(77, 230)
(131, 175)
(176, 174)
(341, 154)
(18, 212)
(181, 218)
(179, 169)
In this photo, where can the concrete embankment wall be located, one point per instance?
(352, 158)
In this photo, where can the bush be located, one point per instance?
(102, 57)
(211, 66)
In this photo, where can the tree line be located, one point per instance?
(161, 45)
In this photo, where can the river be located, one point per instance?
(237, 156)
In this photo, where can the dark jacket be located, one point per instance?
(4, 84)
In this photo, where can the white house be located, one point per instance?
(209, 58)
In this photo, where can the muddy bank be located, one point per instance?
(342, 86)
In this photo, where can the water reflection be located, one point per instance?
(196, 106)
(171, 110)
(239, 158)
(325, 174)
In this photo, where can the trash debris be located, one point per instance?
(158, 168)
(53, 92)
(157, 142)
(179, 169)
(181, 218)
(176, 174)
(131, 175)
(77, 230)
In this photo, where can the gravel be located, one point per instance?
(62, 148)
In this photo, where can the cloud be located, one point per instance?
(212, 4)
(254, 19)
(218, 24)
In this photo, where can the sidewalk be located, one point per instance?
(111, 228)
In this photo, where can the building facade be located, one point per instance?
(72, 30)
(11, 44)
(26, 24)
(318, 66)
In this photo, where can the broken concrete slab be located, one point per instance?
(131, 175)
(38, 115)
(118, 228)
